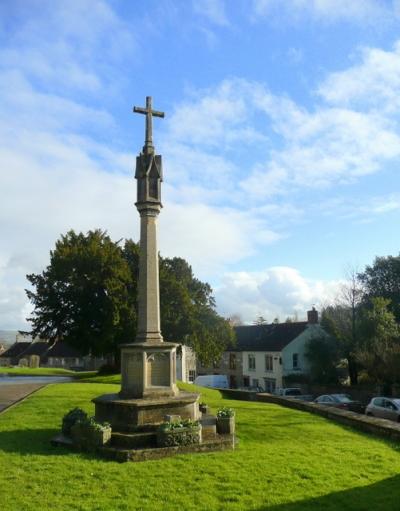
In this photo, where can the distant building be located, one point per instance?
(64, 356)
(12, 355)
(185, 364)
(265, 354)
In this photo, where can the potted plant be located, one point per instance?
(71, 418)
(184, 432)
(89, 433)
(226, 421)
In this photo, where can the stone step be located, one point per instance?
(209, 426)
(134, 440)
(220, 443)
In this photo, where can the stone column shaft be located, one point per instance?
(148, 290)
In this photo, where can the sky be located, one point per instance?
(280, 143)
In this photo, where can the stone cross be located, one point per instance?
(149, 113)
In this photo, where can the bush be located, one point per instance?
(108, 369)
(72, 417)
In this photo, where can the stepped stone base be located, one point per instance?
(141, 445)
(126, 415)
(221, 443)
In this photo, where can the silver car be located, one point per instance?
(385, 408)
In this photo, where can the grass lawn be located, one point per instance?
(44, 371)
(286, 460)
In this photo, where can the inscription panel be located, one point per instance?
(158, 370)
(132, 369)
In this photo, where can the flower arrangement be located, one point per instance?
(175, 433)
(225, 412)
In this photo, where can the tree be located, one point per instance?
(83, 295)
(341, 321)
(88, 297)
(323, 354)
(260, 321)
(379, 351)
(382, 278)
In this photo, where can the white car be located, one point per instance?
(385, 408)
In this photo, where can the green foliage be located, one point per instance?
(382, 279)
(323, 355)
(225, 412)
(379, 351)
(83, 296)
(185, 432)
(176, 425)
(87, 296)
(71, 418)
(91, 423)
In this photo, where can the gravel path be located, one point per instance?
(9, 394)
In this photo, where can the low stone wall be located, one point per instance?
(242, 395)
(380, 427)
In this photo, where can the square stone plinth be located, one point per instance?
(136, 414)
(148, 370)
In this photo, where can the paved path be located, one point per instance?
(9, 394)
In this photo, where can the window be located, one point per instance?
(192, 375)
(269, 363)
(246, 381)
(252, 363)
(255, 382)
(232, 361)
(295, 358)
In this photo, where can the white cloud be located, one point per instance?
(213, 10)
(373, 83)
(275, 292)
(328, 11)
(362, 209)
(67, 46)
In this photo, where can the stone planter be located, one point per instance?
(86, 436)
(226, 425)
(179, 436)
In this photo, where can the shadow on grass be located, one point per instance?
(381, 496)
(29, 441)
(34, 441)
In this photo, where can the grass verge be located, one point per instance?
(286, 460)
(45, 371)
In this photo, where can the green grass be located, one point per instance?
(45, 371)
(286, 460)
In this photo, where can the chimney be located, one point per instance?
(312, 316)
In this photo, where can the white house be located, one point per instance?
(185, 364)
(270, 352)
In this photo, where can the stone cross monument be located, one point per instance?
(148, 365)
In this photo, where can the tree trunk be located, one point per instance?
(353, 370)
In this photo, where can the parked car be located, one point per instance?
(294, 393)
(218, 381)
(385, 408)
(343, 401)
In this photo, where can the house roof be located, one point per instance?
(61, 349)
(273, 337)
(15, 350)
(37, 348)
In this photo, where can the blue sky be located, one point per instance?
(281, 142)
